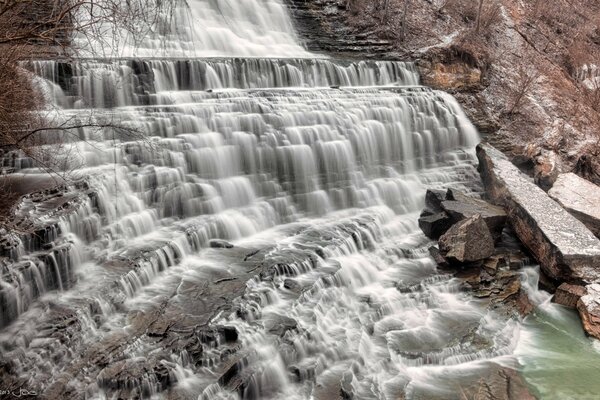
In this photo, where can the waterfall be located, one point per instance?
(312, 169)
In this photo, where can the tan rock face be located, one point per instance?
(565, 248)
(580, 197)
(446, 76)
(467, 241)
(589, 310)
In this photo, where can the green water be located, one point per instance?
(559, 361)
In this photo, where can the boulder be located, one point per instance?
(566, 250)
(435, 225)
(460, 206)
(589, 310)
(579, 197)
(568, 295)
(467, 241)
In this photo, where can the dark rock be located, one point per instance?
(438, 257)
(460, 206)
(434, 226)
(220, 244)
(579, 197)
(568, 295)
(434, 199)
(588, 167)
(589, 310)
(467, 241)
(564, 247)
(546, 283)
(279, 324)
(346, 390)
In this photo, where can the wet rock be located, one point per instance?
(568, 295)
(467, 241)
(589, 310)
(279, 324)
(434, 199)
(460, 206)
(438, 257)
(580, 197)
(220, 244)
(564, 247)
(346, 390)
(499, 383)
(435, 225)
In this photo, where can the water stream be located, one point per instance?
(314, 171)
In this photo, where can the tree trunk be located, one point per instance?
(404, 17)
(479, 15)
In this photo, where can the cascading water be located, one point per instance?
(313, 168)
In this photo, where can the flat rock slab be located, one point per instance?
(580, 197)
(565, 248)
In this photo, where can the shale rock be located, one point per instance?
(589, 310)
(579, 197)
(564, 247)
(568, 295)
(467, 241)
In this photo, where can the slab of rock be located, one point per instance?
(460, 206)
(435, 225)
(467, 241)
(589, 310)
(566, 250)
(568, 295)
(580, 197)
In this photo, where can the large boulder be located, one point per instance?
(589, 310)
(580, 197)
(460, 206)
(446, 208)
(467, 241)
(566, 250)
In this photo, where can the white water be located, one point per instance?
(321, 185)
(195, 28)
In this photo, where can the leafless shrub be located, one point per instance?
(525, 81)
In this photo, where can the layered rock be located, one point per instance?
(568, 295)
(580, 197)
(566, 250)
(589, 310)
(446, 208)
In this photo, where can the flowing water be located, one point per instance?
(314, 171)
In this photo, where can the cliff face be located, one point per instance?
(523, 72)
